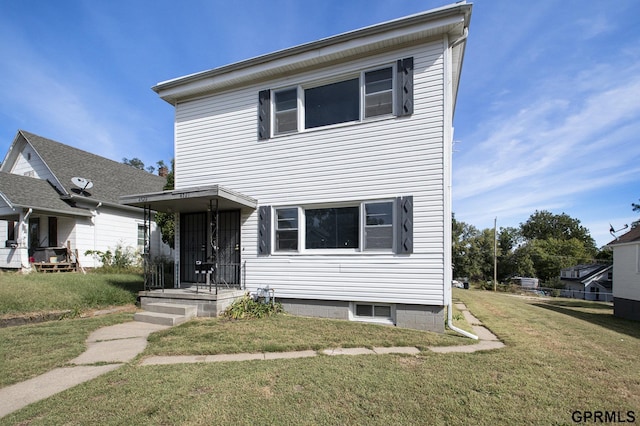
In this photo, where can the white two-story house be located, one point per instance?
(324, 170)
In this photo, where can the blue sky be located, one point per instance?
(548, 113)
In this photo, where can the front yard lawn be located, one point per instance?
(39, 292)
(561, 358)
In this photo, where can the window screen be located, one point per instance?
(332, 228)
(287, 229)
(332, 103)
(378, 92)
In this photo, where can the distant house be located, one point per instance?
(323, 171)
(626, 275)
(526, 282)
(44, 210)
(588, 282)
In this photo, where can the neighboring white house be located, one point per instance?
(626, 275)
(329, 164)
(588, 282)
(42, 212)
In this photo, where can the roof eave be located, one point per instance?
(39, 209)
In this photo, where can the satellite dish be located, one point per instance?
(82, 183)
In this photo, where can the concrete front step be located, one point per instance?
(159, 318)
(188, 311)
(165, 313)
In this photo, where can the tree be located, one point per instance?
(543, 225)
(636, 208)
(165, 221)
(461, 235)
(508, 240)
(553, 242)
(138, 164)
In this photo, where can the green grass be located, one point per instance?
(20, 294)
(285, 333)
(29, 350)
(561, 356)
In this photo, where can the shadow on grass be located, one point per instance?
(580, 304)
(132, 283)
(606, 320)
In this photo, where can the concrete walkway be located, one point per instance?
(115, 345)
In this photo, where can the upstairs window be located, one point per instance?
(286, 111)
(332, 103)
(371, 93)
(378, 92)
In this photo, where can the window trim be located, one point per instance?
(391, 320)
(301, 89)
(274, 111)
(276, 229)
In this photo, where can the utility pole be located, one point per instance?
(495, 253)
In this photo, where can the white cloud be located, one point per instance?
(558, 142)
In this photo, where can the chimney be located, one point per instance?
(163, 171)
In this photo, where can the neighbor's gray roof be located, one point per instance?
(629, 237)
(37, 194)
(111, 179)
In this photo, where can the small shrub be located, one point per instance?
(247, 307)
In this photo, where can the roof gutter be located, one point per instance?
(460, 39)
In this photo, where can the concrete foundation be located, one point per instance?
(418, 317)
(626, 308)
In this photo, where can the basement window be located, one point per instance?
(373, 312)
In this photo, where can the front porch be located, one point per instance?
(207, 224)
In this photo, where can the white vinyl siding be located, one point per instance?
(377, 159)
(28, 163)
(626, 271)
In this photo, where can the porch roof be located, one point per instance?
(23, 192)
(189, 200)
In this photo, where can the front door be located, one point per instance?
(229, 252)
(193, 244)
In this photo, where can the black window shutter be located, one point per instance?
(405, 225)
(264, 230)
(404, 87)
(264, 114)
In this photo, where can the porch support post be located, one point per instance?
(146, 260)
(213, 206)
(22, 238)
(177, 250)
